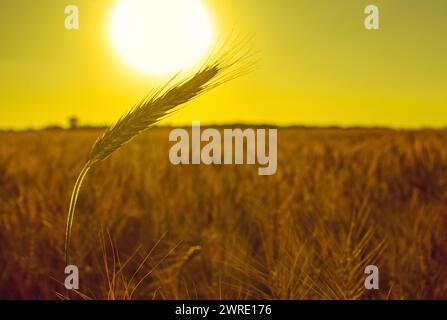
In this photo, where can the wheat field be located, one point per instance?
(341, 199)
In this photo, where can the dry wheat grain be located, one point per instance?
(157, 106)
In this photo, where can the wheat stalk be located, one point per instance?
(157, 106)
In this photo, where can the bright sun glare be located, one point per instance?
(160, 37)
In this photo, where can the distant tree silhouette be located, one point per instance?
(73, 122)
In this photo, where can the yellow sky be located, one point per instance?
(318, 65)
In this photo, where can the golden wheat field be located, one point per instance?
(145, 229)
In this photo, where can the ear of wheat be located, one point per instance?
(157, 106)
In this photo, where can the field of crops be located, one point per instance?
(341, 199)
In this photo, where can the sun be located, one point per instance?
(160, 37)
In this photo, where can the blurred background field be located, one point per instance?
(341, 199)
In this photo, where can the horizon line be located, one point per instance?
(56, 127)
